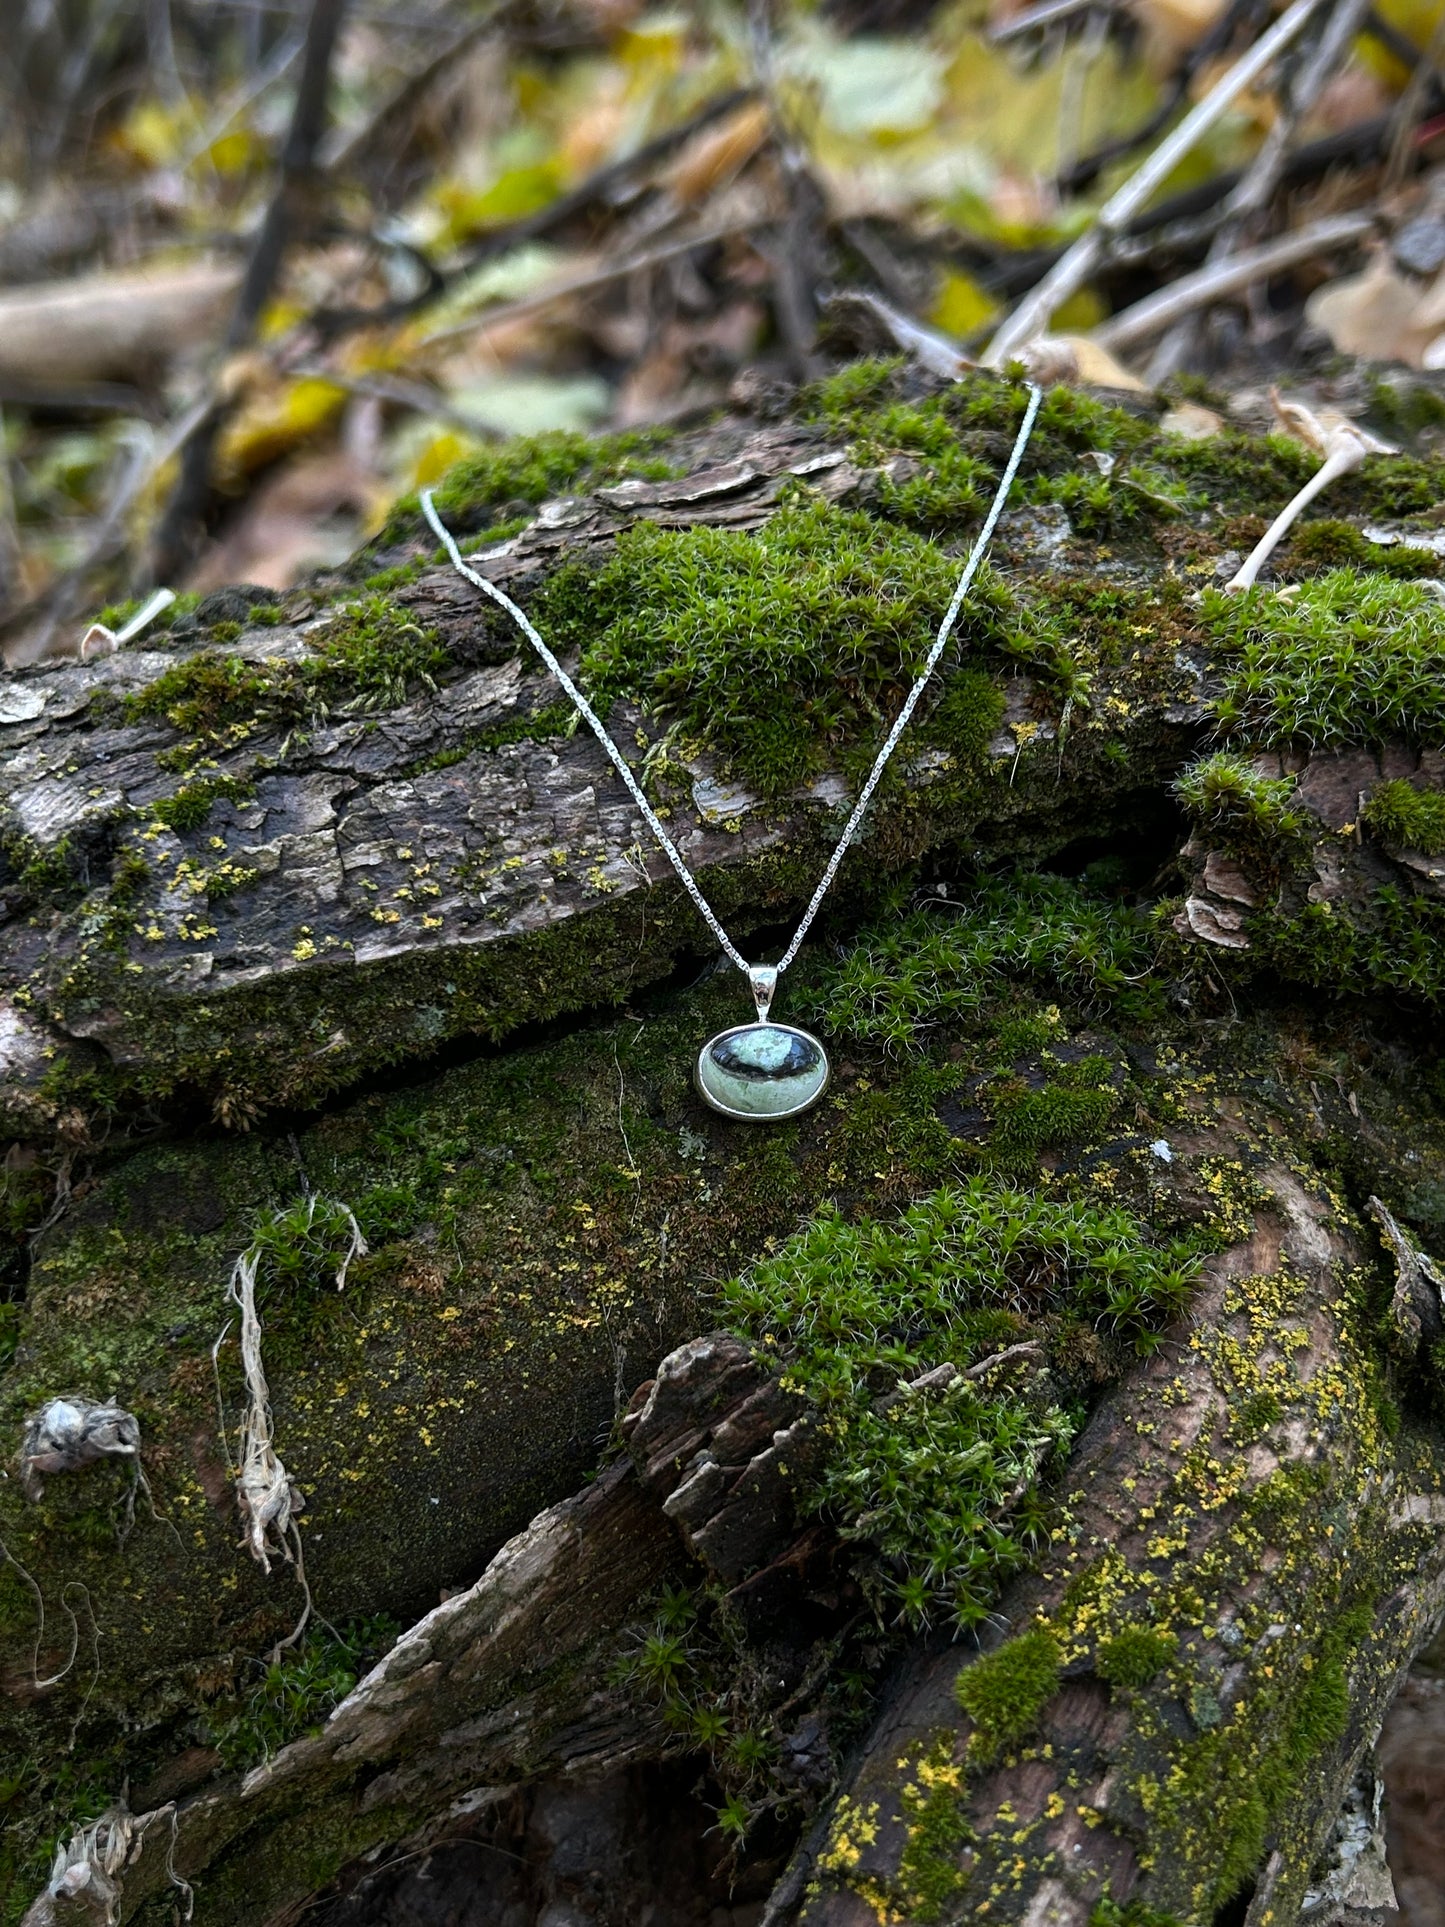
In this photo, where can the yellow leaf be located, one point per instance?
(515, 192)
(154, 134)
(274, 421)
(237, 152)
(962, 306)
(442, 450)
(1416, 19)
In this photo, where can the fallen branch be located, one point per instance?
(1208, 284)
(1031, 317)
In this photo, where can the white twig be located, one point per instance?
(1031, 317)
(1156, 312)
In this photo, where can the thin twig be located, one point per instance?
(1047, 14)
(1262, 176)
(1191, 292)
(1033, 313)
(595, 278)
(1209, 47)
(289, 206)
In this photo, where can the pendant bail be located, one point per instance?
(763, 979)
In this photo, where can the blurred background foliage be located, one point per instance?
(552, 215)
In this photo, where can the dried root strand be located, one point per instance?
(268, 1497)
(86, 1876)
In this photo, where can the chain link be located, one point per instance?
(620, 764)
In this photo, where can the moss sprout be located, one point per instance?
(298, 1689)
(1348, 658)
(1253, 814)
(1399, 813)
(1329, 544)
(1005, 1692)
(1135, 1655)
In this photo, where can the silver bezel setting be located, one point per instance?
(752, 1117)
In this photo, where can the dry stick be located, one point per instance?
(1047, 14)
(176, 536)
(1213, 45)
(1033, 313)
(1255, 189)
(1191, 292)
(347, 148)
(794, 264)
(595, 278)
(1262, 175)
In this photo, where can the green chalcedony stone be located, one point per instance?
(762, 1071)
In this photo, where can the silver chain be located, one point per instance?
(619, 762)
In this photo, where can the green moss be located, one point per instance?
(1349, 658)
(1399, 813)
(1135, 1655)
(1134, 1913)
(903, 978)
(189, 806)
(1328, 544)
(42, 872)
(1389, 942)
(206, 691)
(939, 455)
(1005, 1692)
(1253, 815)
(372, 655)
(297, 1689)
(1074, 1106)
(1236, 472)
(933, 1802)
(782, 649)
(856, 1311)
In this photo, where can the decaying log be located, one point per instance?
(378, 930)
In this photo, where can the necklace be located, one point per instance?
(762, 1070)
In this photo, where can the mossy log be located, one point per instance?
(320, 896)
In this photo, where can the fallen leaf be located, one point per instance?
(1055, 358)
(716, 154)
(1381, 314)
(1191, 422)
(531, 404)
(961, 307)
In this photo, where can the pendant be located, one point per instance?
(761, 1071)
